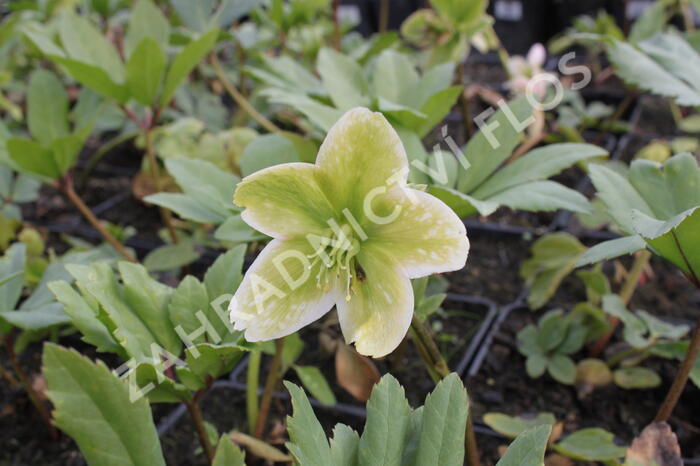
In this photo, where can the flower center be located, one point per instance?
(336, 251)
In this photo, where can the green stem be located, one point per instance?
(270, 382)
(435, 362)
(628, 288)
(622, 355)
(251, 394)
(240, 99)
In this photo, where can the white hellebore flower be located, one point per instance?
(348, 231)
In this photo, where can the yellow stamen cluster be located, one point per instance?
(336, 250)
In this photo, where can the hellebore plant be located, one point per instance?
(348, 231)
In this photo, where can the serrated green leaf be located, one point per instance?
(344, 446)
(101, 284)
(151, 382)
(308, 440)
(528, 448)
(85, 318)
(187, 301)
(228, 453)
(149, 300)
(209, 362)
(634, 67)
(388, 412)
(93, 406)
(675, 55)
(675, 240)
(444, 422)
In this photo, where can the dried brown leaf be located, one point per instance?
(657, 445)
(355, 373)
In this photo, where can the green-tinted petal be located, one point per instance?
(379, 312)
(280, 293)
(426, 237)
(361, 152)
(284, 201)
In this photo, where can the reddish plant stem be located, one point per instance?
(198, 421)
(384, 7)
(24, 380)
(66, 186)
(336, 24)
(674, 393)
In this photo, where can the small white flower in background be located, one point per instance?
(347, 231)
(523, 69)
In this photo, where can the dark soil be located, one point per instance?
(654, 117)
(24, 437)
(502, 385)
(492, 269)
